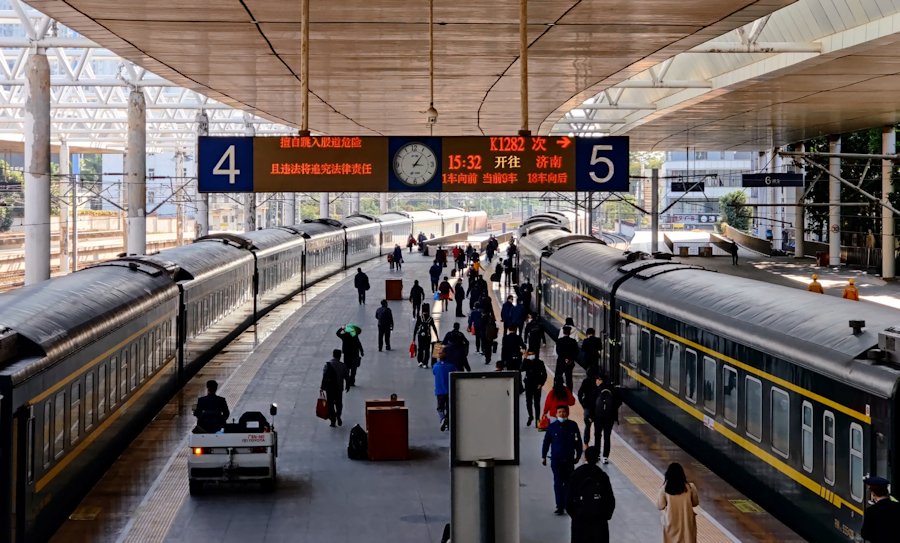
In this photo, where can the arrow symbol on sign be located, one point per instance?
(564, 142)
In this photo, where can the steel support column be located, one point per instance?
(249, 198)
(37, 168)
(179, 197)
(888, 146)
(777, 199)
(136, 173)
(202, 218)
(64, 186)
(834, 201)
(325, 205)
(383, 202)
(654, 210)
(354, 203)
(799, 217)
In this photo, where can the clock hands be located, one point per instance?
(416, 163)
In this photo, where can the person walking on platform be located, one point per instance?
(590, 350)
(385, 319)
(211, 411)
(334, 376)
(470, 253)
(534, 333)
(566, 354)
(398, 257)
(535, 375)
(559, 396)
(416, 297)
(460, 293)
(511, 354)
(410, 242)
(422, 239)
(506, 313)
(850, 291)
(489, 249)
(586, 398)
(815, 285)
(526, 289)
(474, 290)
(456, 348)
(563, 441)
(677, 499)
(361, 282)
(445, 289)
(509, 269)
(424, 326)
(604, 408)
(590, 501)
(441, 372)
(352, 349)
(519, 314)
(460, 261)
(880, 521)
(441, 256)
(570, 322)
(435, 273)
(733, 249)
(475, 326)
(489, 339)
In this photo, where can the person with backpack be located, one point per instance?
(416, 297)
(435, 273)
(398, 257)
(533, 383)
(456, 348)
(506, 313)
(446, 290)
(566, 354)
(605, 413)
(590, 501)
(385, 319)
(586, 397)
(590, 350)
(476, 324)
(352, 349)
(511, 351)
(534, 333)
(677, 499)
(460, 294)
(361, 282)
(422, 332)
(489, 337)
(441, 372)
(334, 376)
(563, 441)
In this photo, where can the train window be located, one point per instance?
(645, 352)
(631, 342)
(781, 421)
(730, 395)
(690, 375)
(101, 391)
(659, 358)
(675, 366)
(807, 424)
(134, 366)
(113, 381)
(142, 357)
(856, 462)
(709, 384)
(828, 446)
(29, 460)
(59, 424)
(48, 419)
(88, 400)
(753, 399)
(75, 413)
(123, 375)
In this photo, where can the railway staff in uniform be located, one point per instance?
(563, 441)
(815, 286)
(880, 520)
(212, 411)
(850, 291)
(361, 282)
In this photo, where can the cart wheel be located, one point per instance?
(195, 487)
(269, 485)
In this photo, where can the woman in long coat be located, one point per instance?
(677, 499)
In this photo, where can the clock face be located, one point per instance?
(415, 164)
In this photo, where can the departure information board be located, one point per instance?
(412, 164)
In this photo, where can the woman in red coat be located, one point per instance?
(558, 397)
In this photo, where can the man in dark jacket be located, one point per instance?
(416, 297)
(435, 273)
(385, 319)
(604, 412)
(212, 411)
(566, 355)
(476, 324)
(525, 291)
(511, 353)
(456, 348)
(518, 315)
(563, 440)
(460, 294)
(353, 353)
(535, 375)
(506, 313)
(334, 376)
(590, 350)
(586, 398)
(590, 501)
(534, 333)
(398, 256)
(880, 521)
(474, 290)
(361, 282)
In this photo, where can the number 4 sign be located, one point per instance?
(225, 164)
(602, 164)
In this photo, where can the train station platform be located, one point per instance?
(322, 495)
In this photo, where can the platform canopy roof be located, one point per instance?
(832, 70)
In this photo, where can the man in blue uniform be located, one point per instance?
(880, 520)
(563, 441)
(212, 411)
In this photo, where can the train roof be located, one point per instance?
(204, 256)
(313, 229)
(452, 213)
(393, 217)
(792, 323)
(62, 315)
(357, 220)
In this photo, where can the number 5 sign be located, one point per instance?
(225, 164)
(602, 164)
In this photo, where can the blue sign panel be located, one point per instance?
(602, 164)
(415, 164)
(225, 164)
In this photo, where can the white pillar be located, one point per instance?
(888, 147)
(179, 196)
(654, 210)
(834, 200)
(37, 168)
(64, 186)
(800, 216)
(289, 216)
(778, 199)
(136, 173)
(202, 217)
(324, 205)
(354, 203)
(383, 202)
(249, 198)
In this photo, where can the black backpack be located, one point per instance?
(606, 405)
(588, 501)
(358, 448)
